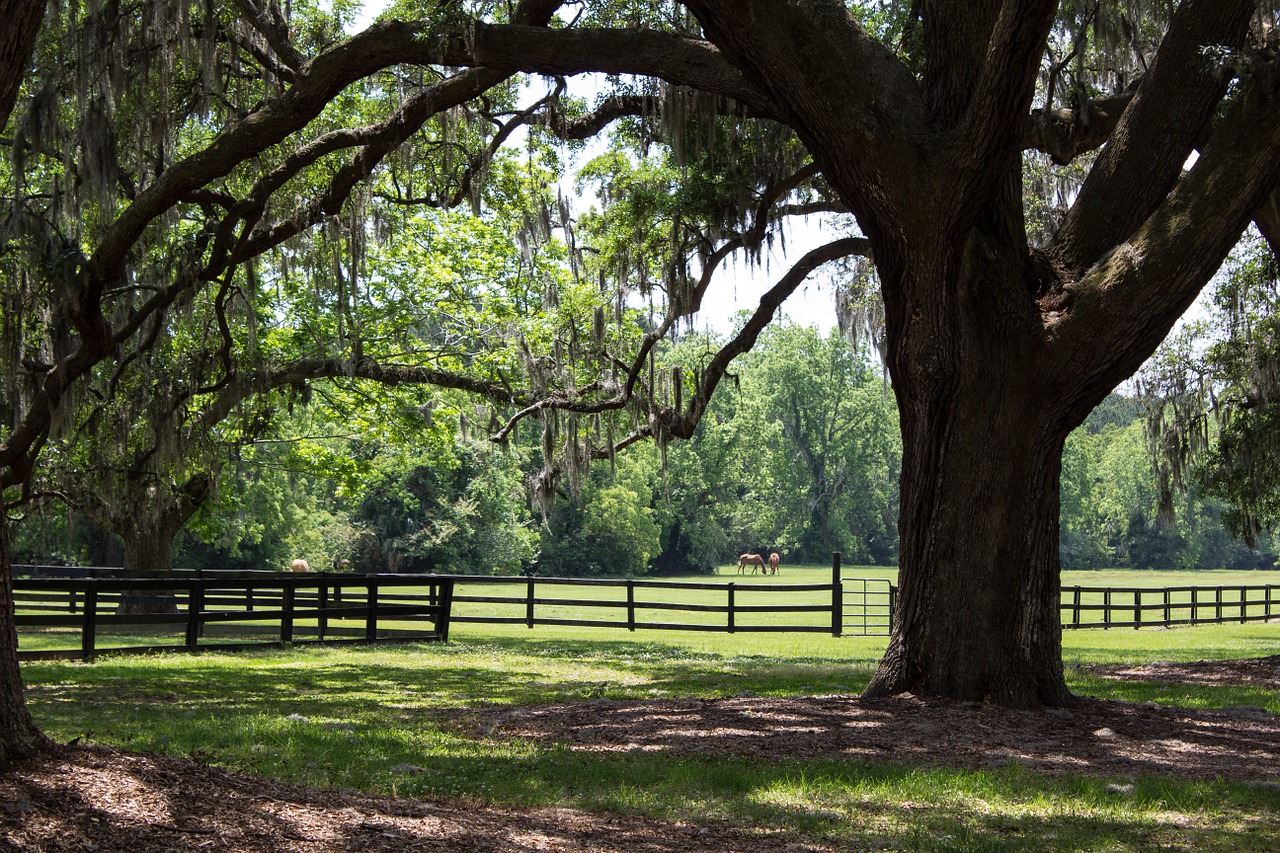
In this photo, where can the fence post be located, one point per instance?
(445, 605)
(289, 596)
(528, 604)
(88, 635)
(1106, 609)
(195, 609)
(322, 605)
(1137, 609)
(1244, 605)
(1268, 611)
(732, 623)
(631, 604)
(1168, 614)
(371, 620)
(1075, 606)
(1217, 609)
(837, 596)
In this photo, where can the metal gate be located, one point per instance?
(868, 607)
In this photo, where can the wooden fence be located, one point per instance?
(651, 605)
(227, 610)
(231, 609)
(1153, 607)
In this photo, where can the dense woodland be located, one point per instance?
(800, 455)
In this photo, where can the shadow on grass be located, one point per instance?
(377, 720)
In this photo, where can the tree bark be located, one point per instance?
(148, 550)
(20, 737)
(22, 24)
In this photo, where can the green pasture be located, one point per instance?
(394, 719)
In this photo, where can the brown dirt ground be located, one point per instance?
(98, 799)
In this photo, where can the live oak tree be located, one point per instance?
(914, 124)
(997, 345)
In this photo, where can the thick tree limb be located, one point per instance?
(1127, 302)
(683, 424)
(270, 22)
(321, 79)
(676, 59)
(1003, 93)
(1064, 134)
(1267, 218)
(1156, 133)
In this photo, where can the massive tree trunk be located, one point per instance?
(148, 535)
(982, 443)
(148, 550)
(997, 350)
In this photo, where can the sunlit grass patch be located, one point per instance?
(394, 719)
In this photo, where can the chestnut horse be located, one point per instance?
(773, 563)
(755, 561)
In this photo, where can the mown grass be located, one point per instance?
(388, 719)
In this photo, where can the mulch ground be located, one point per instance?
(98, 799)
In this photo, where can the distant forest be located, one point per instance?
(799, 455)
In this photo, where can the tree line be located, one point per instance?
(799, 455)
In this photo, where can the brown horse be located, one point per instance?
(300, 566)
(773, 563)
(755, 561)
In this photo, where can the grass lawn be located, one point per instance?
(357, 717)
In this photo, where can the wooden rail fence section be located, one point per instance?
(629, 610)
(1155, 607)
(231, 610)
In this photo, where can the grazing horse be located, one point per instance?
(773, 563)
(300, 566)
(755, 561)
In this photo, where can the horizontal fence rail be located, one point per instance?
(215, 608)
(1155, 607)
(638, 605)
(227, 610)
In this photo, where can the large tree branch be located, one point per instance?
(852, 101)
(1161, 126)
(319, 81)
(269, 21)
(667, 423)
(1267, 218)
(1002, 95)
(675, 59)
(1122, 307)
(682, 425)
(1064, 134)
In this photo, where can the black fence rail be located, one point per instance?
(219, 609)
(1154, 607)
(226, 610)
(648, 604)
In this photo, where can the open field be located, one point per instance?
(495, 721)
